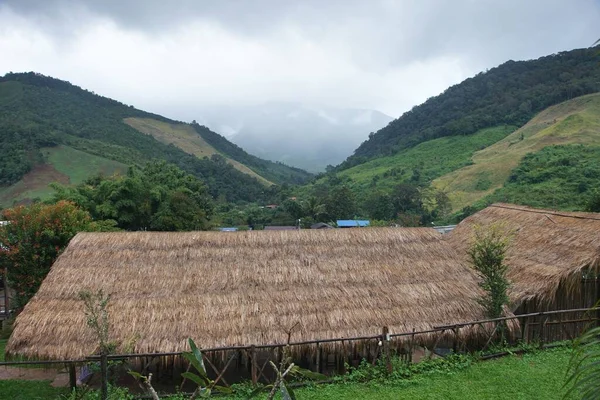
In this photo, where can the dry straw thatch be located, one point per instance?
(243, 288)
(547, 250)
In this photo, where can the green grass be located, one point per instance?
(537, 375)
(557, 177)
(575, 121)
(79, 165)
(65, 165)
(30, 390)
(2, 347)
(531, 376)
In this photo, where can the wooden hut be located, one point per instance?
(553, 256)
(246, 288)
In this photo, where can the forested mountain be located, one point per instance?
(308, 136)
(510, 94)
(43, 119)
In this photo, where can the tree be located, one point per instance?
(341, 203)
(33, 239)
(487, 254)
(314, 208)
(379, 206)
(593, 204)
(159, 196)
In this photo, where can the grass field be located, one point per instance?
(64, 165)
(187, 139)
(531, 376)
(576, 121)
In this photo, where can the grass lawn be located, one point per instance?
(30, 390)
(532, 376)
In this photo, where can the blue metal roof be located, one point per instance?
(349, 223)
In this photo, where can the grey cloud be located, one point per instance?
(382, 54)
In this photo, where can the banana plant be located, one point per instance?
(206, 386)
(286, 369)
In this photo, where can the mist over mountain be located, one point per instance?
(306, 136)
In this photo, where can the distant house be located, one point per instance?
(321, 225)
(271, 206)
(445, 228)
(352, 223)
(280, 228)
(228, 229)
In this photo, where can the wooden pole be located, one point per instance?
(254, 367)
(104, 376)
(318, 361)
(72, 376)
(386, 348)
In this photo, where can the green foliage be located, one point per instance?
(114, 393)
(430, 160)
(96, 314)
(509, 94)
(584, 366)
(487, 254)
(159, 196)
(32, 240)
(341, 203)
(560, 177)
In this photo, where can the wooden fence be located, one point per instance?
(227, 365)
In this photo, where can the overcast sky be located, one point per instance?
(174, 57)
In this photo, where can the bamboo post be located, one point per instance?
(72, 376)
(455, 340)
(525, 328)
(411, 347)
(385, 337)
(318, 361)
(254, 367)
(104, 376)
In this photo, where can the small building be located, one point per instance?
(444, 228)
(352, 223)
(228, 229)
(553, 258)
(248, 289)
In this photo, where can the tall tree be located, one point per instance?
(33, 238)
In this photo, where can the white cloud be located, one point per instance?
(387, 55)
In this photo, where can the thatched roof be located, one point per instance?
(246, 288)
(546, 247)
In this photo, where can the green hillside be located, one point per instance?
(64, 165)
(563, 177)
(424, 162)
(510, 94)
(185, 137)
(38, 112)
(552, 161)
(575, 121)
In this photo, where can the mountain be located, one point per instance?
(510, 94)
(512, 168)
(309, 137)
(552, 161)
(51, 130)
